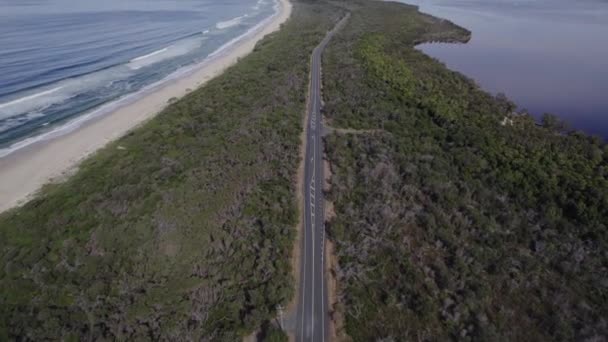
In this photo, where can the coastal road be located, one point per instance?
(312, 316)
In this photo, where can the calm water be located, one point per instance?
(547, 56)
(61, 60)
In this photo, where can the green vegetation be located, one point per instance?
(455, 218)
(274, 334)
(185, 231)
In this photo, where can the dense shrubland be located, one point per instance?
(456, 218)
(452, 222)
(181, 230)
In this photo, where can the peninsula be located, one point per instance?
(428, 209)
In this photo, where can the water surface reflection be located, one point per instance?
(547, 56)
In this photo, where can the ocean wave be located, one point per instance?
(230, 23)
(148, 55)
(104, 109)
(73, 124)
(30, 102)
(29, 97)
(61, 92)
(175, 50)
(49, 99)
(249, 32)
(19, 120)
(258, 4)
(121, 72)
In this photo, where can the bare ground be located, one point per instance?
(329, 129)
(336, 322)
(252, 337)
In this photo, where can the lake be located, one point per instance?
(547, 56)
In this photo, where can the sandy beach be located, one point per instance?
(23, 172)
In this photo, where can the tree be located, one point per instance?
(552, 122)
(274, 334)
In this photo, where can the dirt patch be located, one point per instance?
(252, 337)
(326, 177)
(330, 213)
(336, 312)
(330, 129)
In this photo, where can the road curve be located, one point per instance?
(312, 316)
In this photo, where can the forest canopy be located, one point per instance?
(455, 218)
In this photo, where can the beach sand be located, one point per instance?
(23, 172)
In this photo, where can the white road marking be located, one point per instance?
(323, 280)
(312, 311)
(314, 90)
(304, 276)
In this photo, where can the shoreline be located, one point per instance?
(25, 171)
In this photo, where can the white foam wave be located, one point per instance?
(205, 32)
(250, 32)
(29, 97)
(61, 92)
(172, 51)
(148, 55)
(18, 120)
(66, 89)
(39, 100)
(230, 23)
(258, 4)
(130, 98)
(74, 124)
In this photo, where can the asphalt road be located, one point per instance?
(312, 317)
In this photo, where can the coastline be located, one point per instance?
(25, 171)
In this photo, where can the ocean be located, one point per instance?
(63, 62)
(548, 56)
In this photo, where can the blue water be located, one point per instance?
(546, 55)
(60, 59)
